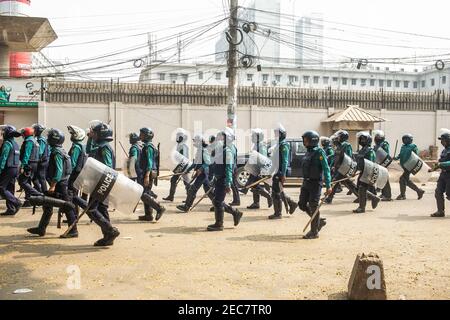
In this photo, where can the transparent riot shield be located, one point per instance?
(182, 163)
(348, 167)
(383, 158)
(103, 183)
(418, 168)
(375, 175)
(130, 171)
(258, 165)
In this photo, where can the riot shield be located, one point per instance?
(348, 167)
(105, 184)
(130, 165)
(182, 163)
(258, 165)
(375, 175)
(383, 158)
(418, 168)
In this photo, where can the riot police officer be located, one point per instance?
(234, 186)
(39, 180)
(183, 149)
(281, 151)
(59, 170)
(101, 136)
(149, 167)
(325, 142)
(365, 190)
(343, 147)
(258, 191)
(29, 158)
(9, 170)
(223, 175)
(91, 146)
(77, 154)
(443, 185)
(200, 166)
(315, 170)
(407, 149)
(134, 157)
(380, 142)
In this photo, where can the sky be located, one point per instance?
(81, 24)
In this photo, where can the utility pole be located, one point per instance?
(179, 48)
(233, 66)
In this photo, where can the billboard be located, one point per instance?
(19, 92)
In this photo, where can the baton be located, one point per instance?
(257, 182)
(201, 199)
(322, 202)
(78, 219)
(171, 175)
(396, 146)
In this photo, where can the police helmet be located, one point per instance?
(76, 134)
(311, 139)
(379, 136)
(407, 139)
(134, 138)
(342, 136)
(55, 137)
(10, 132)
(146, 134)
(364, 139)
(325, 142)
(102, 132)
(281, 132)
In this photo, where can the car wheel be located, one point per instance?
(242, 177)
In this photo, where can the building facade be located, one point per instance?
(347, 77)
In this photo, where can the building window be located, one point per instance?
(326, 80)
(306, 79)
(432, 82)
(185, 77)
(423, 83)
(381, 83)
(444, 79)
(218, 75)
(415, 84)
(173, 77)
(293, 79)
(344, 81)
(372, 82)
(278, 78)
(265, 77)
(162, 76)
(249, 77)
(363, 82)
(200, 75)
(316, 80)
(406, 84)
(354, 82)
(397, 83)
(389, 83)
(335, 79)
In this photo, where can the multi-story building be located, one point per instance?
(309, 41)
(347, 77)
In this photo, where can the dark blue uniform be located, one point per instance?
(39, 179)
(29, 158)
(315, 169)
(9, 170)
(443, 185)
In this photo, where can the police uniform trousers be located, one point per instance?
(62, 193)
(8, 179)
(365, 191)
(25, 179)
(258, 190)
(309, 200)
(387, 192)
(347, 183)
(405, 181)
(201, 180)
(443, 187)
(235, 190)
(39, 179)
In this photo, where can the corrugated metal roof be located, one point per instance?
(354, 114)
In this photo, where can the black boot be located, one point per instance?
(237, 216)
(108, 238)
(292, 205)
(189, 201)
(438, 215)
(277, 206)
(43, 223)
(420, 194)
(375, 200)
(218, 226)
(254, 206)
(173, 188)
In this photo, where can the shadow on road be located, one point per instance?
(270, 238)
(21, 279)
